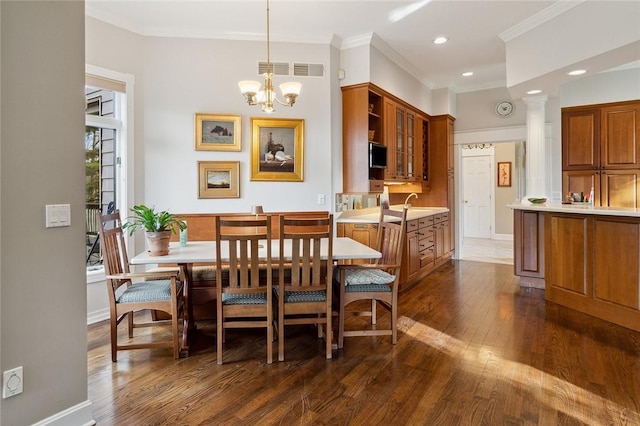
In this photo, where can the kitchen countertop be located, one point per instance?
(372, 214)
(558, 207)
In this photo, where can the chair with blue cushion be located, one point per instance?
(376, 282)
(304, 280)
(133, 292)
(244, 284)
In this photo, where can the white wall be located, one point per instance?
(504, 195)
(185, 76)
(354, 61)
(604, 87)
(386, 74)
(363, 64)
(606, 32)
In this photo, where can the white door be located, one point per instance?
(477, 174)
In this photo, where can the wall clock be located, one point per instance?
(504, 108)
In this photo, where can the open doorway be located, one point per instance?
(486, 223)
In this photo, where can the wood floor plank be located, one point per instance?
(473, 348)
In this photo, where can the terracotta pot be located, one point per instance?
(158, 243)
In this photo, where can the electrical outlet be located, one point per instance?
(12, 382)
(321, 199)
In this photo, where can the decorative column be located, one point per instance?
(536, 155)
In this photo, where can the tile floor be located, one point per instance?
(487, 250)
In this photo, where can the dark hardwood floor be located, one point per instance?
(473, 349)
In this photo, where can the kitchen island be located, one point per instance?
(586, 258)
(428, 242)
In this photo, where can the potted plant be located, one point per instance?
(158, 227)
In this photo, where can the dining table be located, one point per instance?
(197, 252)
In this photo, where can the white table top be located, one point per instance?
(205, 252)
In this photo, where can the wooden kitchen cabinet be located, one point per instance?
(528, 247)
(620, 133)
(428, 245)
(580, 139)
(412, 257)
(369, 114)
(585, 259)
(401, 129)
(362, 112)
(423, 138)
(592, 265)
(390, 134)
(365, 233)
(441, 191)
(620, 188)
(576, 181)
(601, 149)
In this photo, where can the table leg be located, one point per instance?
(188, 324)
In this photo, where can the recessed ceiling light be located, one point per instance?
(440, 40)
(467, 74)
(534, 92)
(576, 72)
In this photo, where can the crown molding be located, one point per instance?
(539, 18)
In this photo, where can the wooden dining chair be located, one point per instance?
(376, 282)
(133, 292)
(244, 284)
(304, 281)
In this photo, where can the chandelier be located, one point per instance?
(266, 97)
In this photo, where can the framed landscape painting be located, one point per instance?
(277, 147)
(218, 179)
(217, 132)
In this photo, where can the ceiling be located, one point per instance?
(407, 28)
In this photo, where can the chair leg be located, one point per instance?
(394, 320)
(114, 339)
(319, 324)
(174, 331)
(219, 337)
(269, 341)
(341, 320)
(130, 324)
(328, 333)
(374, 319)
(281, 335)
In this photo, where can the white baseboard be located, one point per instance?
(80, 415)
(97, 316)
(503, 237)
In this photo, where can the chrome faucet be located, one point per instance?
(406, 202)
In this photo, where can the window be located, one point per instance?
(105, 152)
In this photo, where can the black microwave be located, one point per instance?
(377, 156)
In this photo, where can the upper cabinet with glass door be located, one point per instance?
(401, 140)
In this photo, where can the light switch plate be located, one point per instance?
(57, 215)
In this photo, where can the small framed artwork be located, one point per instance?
(217, 132)
(277, 147)
(218, 179)
(504, 173)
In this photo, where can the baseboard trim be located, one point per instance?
(80, 414)
(503, 237)
(97, 316)
(532, 282)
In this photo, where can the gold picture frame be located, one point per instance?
(504, 173)
(218, 132)
(277, 149)
(218, 179)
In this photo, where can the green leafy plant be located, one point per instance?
(151, 221)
